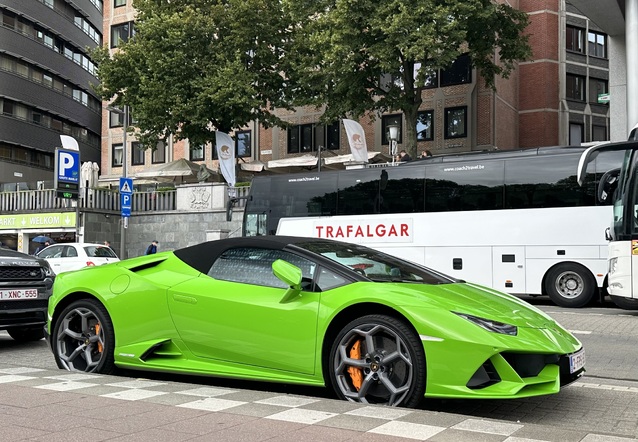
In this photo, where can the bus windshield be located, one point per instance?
(618, 197)
(377, 266)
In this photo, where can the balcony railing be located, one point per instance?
(97, 199)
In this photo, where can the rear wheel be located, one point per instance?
(27, 333)
(570, 285)
(377, 359)
(625, 303)
(83, 338)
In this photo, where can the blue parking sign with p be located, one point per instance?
(126, 196)
(68, 166)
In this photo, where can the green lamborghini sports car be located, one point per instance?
(374, 328)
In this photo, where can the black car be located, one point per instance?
(26, 283)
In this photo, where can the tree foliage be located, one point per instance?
(348, 45)
(196, 66)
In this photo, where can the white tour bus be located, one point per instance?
(619, 187)
(516, 221)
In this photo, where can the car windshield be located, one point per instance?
(99, 252)
(376, 265)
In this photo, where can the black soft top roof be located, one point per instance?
(201, 256)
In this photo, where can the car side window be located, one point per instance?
(254, 266)
(51, 252)
(70, 252)
(328, 280)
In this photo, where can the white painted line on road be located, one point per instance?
(606, 387)
(580, 332)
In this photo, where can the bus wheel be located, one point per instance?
(625, 303)
(570, 285)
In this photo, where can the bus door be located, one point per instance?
(508, 264)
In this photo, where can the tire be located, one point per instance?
(26, 334)
(83, 338)
(397, 362)
(570, 285)
(625, 303)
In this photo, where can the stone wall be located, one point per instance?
(173, 230)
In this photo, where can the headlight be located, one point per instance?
(48, 271)
(613, 265)
(489, 325)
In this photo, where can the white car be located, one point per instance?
(65, 257)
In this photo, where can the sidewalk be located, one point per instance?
(53, 405)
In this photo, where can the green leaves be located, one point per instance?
(196, 66)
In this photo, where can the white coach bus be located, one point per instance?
(516, 221)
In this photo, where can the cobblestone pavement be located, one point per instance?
(39, 404)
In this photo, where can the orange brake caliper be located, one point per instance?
(356, 374)
(97, 332)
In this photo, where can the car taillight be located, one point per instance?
(90, 263)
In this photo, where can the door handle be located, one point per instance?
(186, 299)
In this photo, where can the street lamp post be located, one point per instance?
(393, 136)
(124, 220)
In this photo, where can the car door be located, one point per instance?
(235, 312)
(71, 259)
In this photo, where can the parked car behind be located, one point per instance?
(65, 257)
(26, 283)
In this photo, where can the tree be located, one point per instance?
(196, 66)
(347, 46)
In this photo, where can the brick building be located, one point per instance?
(552, 99)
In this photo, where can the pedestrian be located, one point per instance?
(426, 153)
(404, 157)
(152, 248)
(42, 247)
(107, 243)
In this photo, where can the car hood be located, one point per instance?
(11, 257)
(476, 300)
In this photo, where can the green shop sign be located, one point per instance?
(37, 221)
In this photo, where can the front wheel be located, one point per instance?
(83, 338)
(570, 285)
(377, 359)
(625, 303)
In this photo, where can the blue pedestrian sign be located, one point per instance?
(126, 196)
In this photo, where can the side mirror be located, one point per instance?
(291, 276)
(607, 186)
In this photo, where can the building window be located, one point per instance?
(309, 137)
(117, 152)
(575, 134)
(425, 126)
(575, 39)
(599, 133)
(597, 44)
(159, 154)
(242, 144)
(121, 33)
(430, 81)
(138, 152)
(596, 88)
(575, 87)
(459, 73)
(391, 120)
(118, 3)
(456, 122)
(197, 152)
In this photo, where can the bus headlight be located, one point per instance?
(613, 265)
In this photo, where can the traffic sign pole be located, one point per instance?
(126, 198)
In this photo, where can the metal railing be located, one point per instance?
(98, 199)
